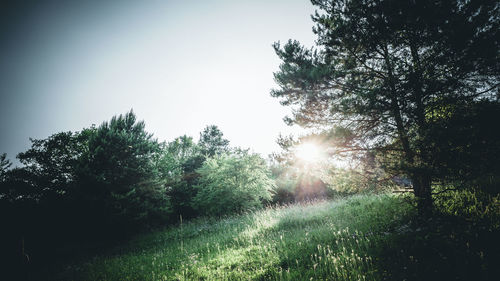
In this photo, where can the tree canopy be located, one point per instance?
(212, 141)
(119, 173)
(384, 73)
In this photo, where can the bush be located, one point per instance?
(471, 204)
(232, 183)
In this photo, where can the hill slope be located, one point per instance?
(366, 237)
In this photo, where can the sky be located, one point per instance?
(180, 65)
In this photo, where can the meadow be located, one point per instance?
(363, 237)
(389, 170)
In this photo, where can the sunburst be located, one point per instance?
(309, 152)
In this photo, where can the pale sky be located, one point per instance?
(181, 65)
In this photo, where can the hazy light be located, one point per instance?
(309, 153)
(180, 65)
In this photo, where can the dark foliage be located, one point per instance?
(79, 189)
(82, 191)
(383, 68)
(118, 175)
(179, 161)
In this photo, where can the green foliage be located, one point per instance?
(39, 202)
(475, 205)
(346, 181)
(4, 166)
(299, 187)
(105, 176)
(382, 67)
(180, 156)
(5, 173)
(178, 163)
(44, 192)
(104, 183)
(212, 141)
(285, 184)
(472, 148)
(120, 177)
(51, 164)
(354, 181)
(49, 167)
(364, 237)
(336, 240)
(232, 183)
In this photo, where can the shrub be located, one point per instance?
(471, 204)
(232, 183)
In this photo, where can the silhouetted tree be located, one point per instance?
(52, 162)
(38, 202)
(4, 166)
(384, 69)
(469, 154)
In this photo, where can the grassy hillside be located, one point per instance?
(365, 237)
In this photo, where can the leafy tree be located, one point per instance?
(180, 156)
(38, 201)
(232, 183)
(49, 168)
(4, 166)
(52, 162)
(383, 68)
(4, 169)
(178, 163)
(212, 141)
(120, 177)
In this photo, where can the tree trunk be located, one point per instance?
(422, 189)
(421, 181)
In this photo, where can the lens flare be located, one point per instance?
(308, 152)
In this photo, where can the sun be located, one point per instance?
(308, 152)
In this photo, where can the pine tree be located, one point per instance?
(385, 72)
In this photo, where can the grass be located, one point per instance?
(364, 237)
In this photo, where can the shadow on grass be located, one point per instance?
(399, 247)
(441, 248)
(363, 237)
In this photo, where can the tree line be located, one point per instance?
(116, 179)
(85, 189)
(104, 183)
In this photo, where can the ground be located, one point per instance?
(364, 237)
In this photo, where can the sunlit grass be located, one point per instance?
(364, 237)
(326, 240)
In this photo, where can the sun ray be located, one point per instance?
(309, 153)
